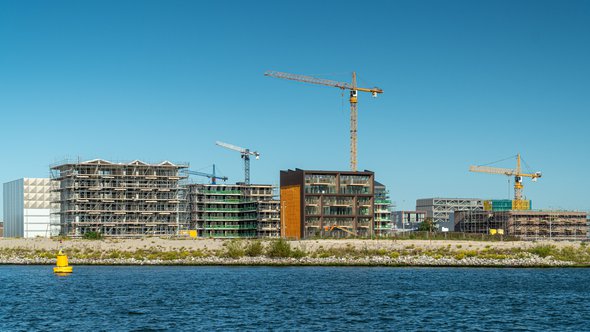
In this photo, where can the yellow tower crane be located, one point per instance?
(341, 85)
(517, 173)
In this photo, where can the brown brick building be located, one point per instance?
(327, 203)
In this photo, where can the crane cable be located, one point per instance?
(497, 161)
(528, 168)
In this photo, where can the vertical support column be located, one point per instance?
(246, 168)
(353, 135)
(353, 123)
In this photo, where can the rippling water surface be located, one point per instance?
(293, 298)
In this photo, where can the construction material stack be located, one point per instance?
(507, 205)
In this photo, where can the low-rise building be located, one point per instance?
(327, 204)
(27, 208)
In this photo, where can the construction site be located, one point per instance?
(516, 217)
(234, 211)
(135, 199)
(524, 225)
(118, 199)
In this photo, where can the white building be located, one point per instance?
(27, 208)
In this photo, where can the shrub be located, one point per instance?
(494, 256)
(234, 249)
(298, 253)
(254, 248)
(92, 236)
(570, 254)
(279, 248)
(542, 250)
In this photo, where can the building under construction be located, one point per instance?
(118, 199)
(526, 225)
(233, 210)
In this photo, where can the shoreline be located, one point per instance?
(325, 252)
(548, 265)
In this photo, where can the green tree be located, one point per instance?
(92, 235)
(428, 225)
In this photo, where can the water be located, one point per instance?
(105, 298)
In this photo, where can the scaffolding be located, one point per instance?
(526, 225)
(118, 199)
(233, 210)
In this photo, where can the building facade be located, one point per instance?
(233, 210)
(269, 218)
(441, 209)
(408, 220)
(27, 208)
(119, 199)
(384, 225)
(327, 204)
(525, 225)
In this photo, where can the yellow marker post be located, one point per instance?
(62, 264)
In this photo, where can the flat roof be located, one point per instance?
(365, 172)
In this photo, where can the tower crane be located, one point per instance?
(246, 153)
(212, 176)
(354, 89)
(517, 173)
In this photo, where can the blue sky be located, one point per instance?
(466, 82)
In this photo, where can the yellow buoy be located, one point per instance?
(62, 264)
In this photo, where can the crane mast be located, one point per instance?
(353, 102)
(245, 154)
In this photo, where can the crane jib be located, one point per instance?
(320, 81)
(353, 102)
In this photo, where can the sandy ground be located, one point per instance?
(308, 245)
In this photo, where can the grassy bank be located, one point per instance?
(346, 252)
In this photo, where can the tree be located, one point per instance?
(428, 225)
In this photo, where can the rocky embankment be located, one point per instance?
(532, 261)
